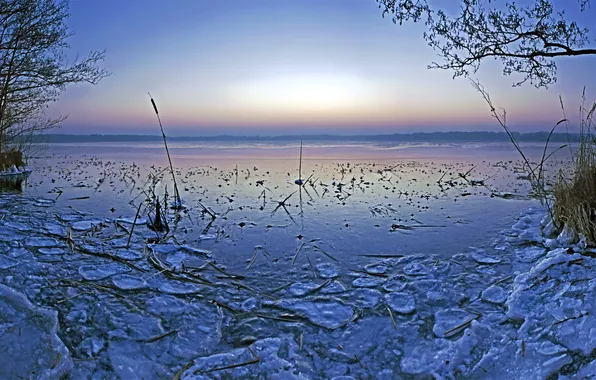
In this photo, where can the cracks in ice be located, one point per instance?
(139, 312)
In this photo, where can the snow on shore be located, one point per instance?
(545, 327)
(13, 170)
(522, 311)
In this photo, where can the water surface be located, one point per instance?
(360, 198)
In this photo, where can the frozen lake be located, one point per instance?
(356, 194)
(389, 262)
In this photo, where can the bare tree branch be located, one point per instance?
(525, 39)
(33, 65)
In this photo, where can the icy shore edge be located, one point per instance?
(546, 327)
(13, 170)
(534, 320)
(29, 344)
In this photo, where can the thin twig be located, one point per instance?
(133, 225)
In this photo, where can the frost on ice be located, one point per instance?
(327, 313)
(128, 282)
(28, 342)
(401, 302)
(521, 303)
(99, 272)
(494, 294)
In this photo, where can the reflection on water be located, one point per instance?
(378, 257)
(357, 200)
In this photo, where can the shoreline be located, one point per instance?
(531, 317)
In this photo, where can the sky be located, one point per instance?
(264, 67)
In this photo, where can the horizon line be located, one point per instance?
(343, 136)
(439, 137)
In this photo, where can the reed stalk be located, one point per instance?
(178, 200)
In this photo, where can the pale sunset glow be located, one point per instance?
(274, 66)
(325, 93)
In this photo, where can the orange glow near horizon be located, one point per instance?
(280, 65)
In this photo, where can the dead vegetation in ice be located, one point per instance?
(137, 310)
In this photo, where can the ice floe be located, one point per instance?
(138, 221)
(365, 298)
(99, 272)
(327, 270)
(367, 282)
(51, 251)
(401, 302)
(482, 258)
(128, 282)
(301, 288)
(416, 269)
(375, 268)
(86, 225)
(333, 287)
(395, 284)
(18, 226)
(126, 254)
(41, 242)
(327, 313)
(7, 262)
(495, 294)
(179, 288)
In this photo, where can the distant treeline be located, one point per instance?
(396, 137)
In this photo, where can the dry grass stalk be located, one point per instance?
(297, 252)
(158, 337)
(178, 200)
(255, 360)
(465, 324)
(317, 248)
(575, 194)
(536, 172)
(392, 318)
(132, 228)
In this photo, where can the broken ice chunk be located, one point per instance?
(51, 251)
(7, 262)
(302, 288)
(327, 313)
(376, 268)
(395, 284)
(128, 282)
(494, 294)
(482, 258)
(41, 242)
(415, 269)
(367, 282)
(99, 272)
(402, 303)
(85, 225)
(179, 288)
(327, 270)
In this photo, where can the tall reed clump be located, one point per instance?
(571, 197)
(575, 192)
(11, 158)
